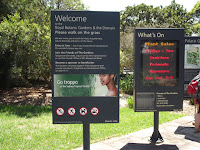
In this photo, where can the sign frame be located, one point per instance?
(158, 98)
(85, 33)
(190, 70)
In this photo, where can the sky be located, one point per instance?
(118, 5)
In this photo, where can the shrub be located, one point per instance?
(126, 84)
(130, 101)
(192, 101)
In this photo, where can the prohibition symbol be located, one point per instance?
(71, 111)
(83, 111)
(60, 111)
(94, 111)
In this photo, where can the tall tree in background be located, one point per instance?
(67, 4)
(178, 17)
(195, 12)
(25, 39)
(172, 16)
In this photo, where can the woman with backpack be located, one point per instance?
(194, 90)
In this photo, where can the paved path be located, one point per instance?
(177, 134)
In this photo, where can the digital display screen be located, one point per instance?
(159, 63)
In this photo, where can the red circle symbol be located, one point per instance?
(83, 111)
(94, 111)
(60, 111)
(71, 111)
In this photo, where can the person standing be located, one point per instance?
(194, 90)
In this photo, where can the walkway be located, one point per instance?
(177, 134)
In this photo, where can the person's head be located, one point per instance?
(106, 78)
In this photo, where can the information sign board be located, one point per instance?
(159, 55)
(191, 61)
(85, 66)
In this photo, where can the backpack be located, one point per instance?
(194, 87)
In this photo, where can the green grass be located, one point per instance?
(30, 127)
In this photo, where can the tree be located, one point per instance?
(25, 44)
(67, 4)
(126, 50)
(172, 16)
(141, 15)
(195, 12)
(178, 17)
(17, 48)
(4, 10)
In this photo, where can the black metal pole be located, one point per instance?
(156, 136)
(86, 136)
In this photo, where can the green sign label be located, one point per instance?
(78, 85)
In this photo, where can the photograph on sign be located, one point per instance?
(85, 85)
(192, 56)
(159, 63)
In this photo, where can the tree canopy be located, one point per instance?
(25, 34)
(25, 43)
(172, 16)
(195, 12)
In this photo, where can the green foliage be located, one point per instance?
(178, 17)
(140, 15)
(126, 84)
(130, 101)
(147, 16)
(67, 4)
(21, 48)
(193, 58)
(195, 12)
(126, 50)
(25, 43)
(172, 16)
(192, 101)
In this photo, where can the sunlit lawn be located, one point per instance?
(30, 127)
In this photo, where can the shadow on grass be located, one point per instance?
(26, 111)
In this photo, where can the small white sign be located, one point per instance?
(94, 111)
(60, 111)
(71, 111)
(83, 111)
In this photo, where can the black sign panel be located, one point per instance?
(85, 66)
(159, 69)
(192, 58)
(191, 61)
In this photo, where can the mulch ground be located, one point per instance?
(41, 95)
(26, 96)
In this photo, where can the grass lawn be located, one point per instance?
(30, 127)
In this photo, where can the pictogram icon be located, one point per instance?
(60, 111)
(94, 111)
(83, 111)
(71, 111)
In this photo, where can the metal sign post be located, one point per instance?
(156, 136)
(86, 136)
